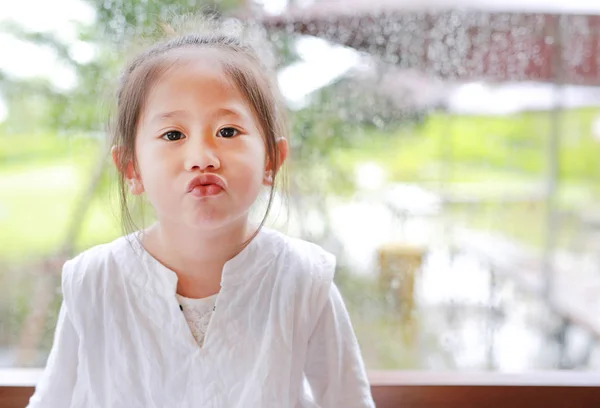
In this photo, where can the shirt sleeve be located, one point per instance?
(55, 387)
(334, 367)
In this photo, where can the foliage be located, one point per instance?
(480, 148)
(37, 104)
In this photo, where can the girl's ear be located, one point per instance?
(282, 146)
(270, 170)
(134, 181)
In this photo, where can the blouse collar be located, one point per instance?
(259, 252)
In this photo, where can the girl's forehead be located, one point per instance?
(194, 70)
(193, 79)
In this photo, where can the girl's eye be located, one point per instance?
(228, 132)
(173, 135)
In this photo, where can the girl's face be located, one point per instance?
(201, 155)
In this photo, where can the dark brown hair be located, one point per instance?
(241, 62)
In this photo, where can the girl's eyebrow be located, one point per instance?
(229, 111)
(168, 115)
(220, 112)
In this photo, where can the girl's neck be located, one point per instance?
(196, 256)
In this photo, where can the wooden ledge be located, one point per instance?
(420, 389)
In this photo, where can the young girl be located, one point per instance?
(201, 309)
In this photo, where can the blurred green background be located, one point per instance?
(58, 194)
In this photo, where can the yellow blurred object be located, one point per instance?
(399, 264)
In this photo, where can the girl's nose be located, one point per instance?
(202, 155)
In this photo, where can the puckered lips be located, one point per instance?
(206, 185)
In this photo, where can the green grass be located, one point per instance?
(39, 189)
(35, 207)
(22, 151)
(466, 148)
(498, 154)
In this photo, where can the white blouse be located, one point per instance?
(279, 335)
